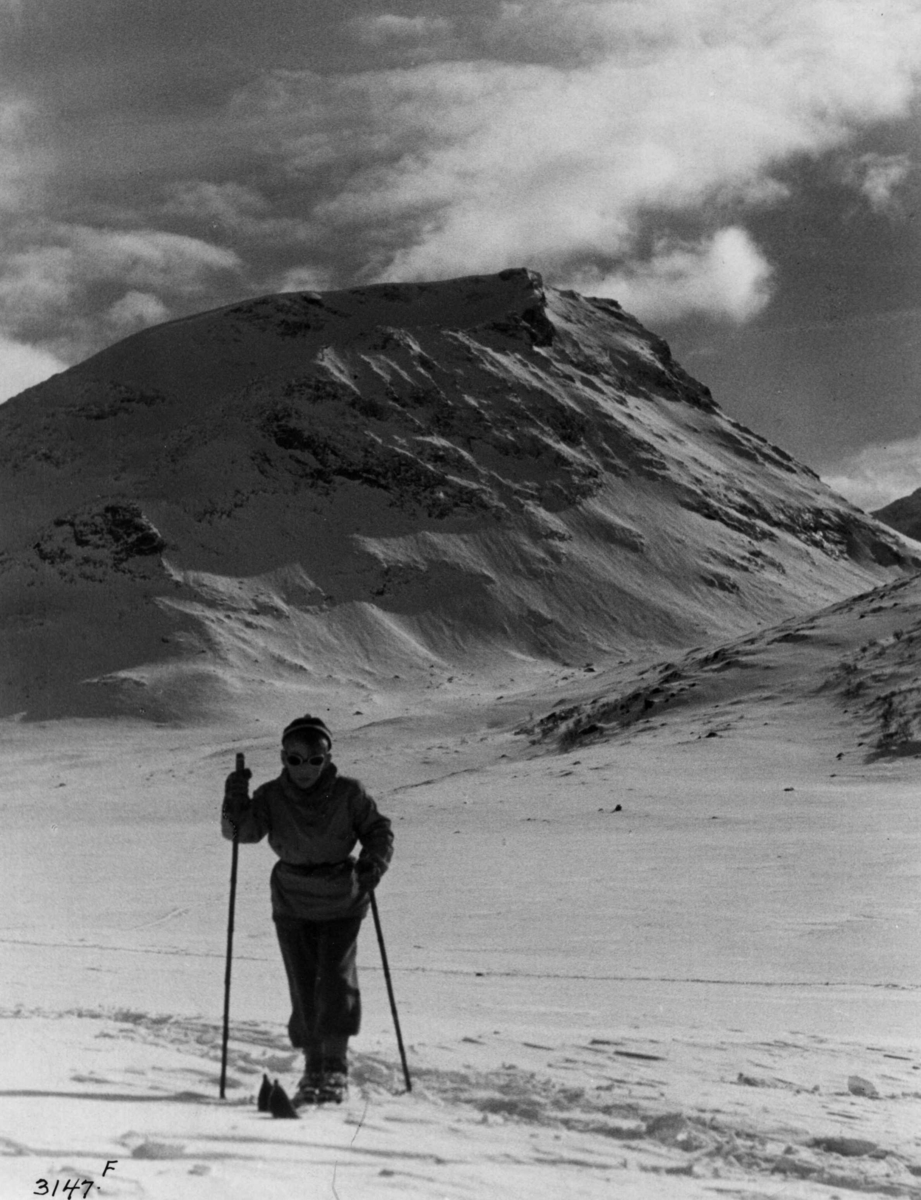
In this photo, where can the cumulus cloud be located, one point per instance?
(725, 276)
(578, 121)
(878, 474)
(21, 366)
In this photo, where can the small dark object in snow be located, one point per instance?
(262, 1101)
(789, 789)
(279, 1103)
(618, 808)
(847, 1146)
(861, 1087)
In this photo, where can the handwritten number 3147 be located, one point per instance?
(43, 1188)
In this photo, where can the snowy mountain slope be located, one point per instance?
(309, 488)
(857, 659)
(903, 514)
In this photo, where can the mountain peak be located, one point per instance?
(352, 483)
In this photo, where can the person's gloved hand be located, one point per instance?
(236, 794)
(369, 872)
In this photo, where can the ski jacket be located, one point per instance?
(314, 832)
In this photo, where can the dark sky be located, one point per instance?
(742, 176)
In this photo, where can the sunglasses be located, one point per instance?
(298, 760)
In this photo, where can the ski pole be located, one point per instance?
(240, 767)
(393, 1003)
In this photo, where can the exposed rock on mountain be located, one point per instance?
(306, 488)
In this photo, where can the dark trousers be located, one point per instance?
(319, 958)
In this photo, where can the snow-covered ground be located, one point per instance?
(679, 962)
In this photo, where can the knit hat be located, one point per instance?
(307, 725)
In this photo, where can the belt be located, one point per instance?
(326, 868)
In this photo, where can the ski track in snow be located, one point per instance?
(486, 1113)
(184, 952)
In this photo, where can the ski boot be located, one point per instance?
(335, 1080)
(311, 1083)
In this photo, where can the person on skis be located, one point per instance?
(314, 817)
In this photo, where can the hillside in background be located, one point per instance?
(855, 661)
(903, 515)
(308, 490)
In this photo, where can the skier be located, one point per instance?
(313, 817)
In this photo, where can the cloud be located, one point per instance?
(23, 159)
(879, 177)
(627, 143)
(143, 257)
(725, 276)
(392, 27)
(67, 288)
(71, 258)
(878, 474)
(21, 366)
(226, 203)
(581, 31)
(135, 310)
(233, 209)
(580, 126)
(303, 279)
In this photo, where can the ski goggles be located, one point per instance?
(298, 760)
